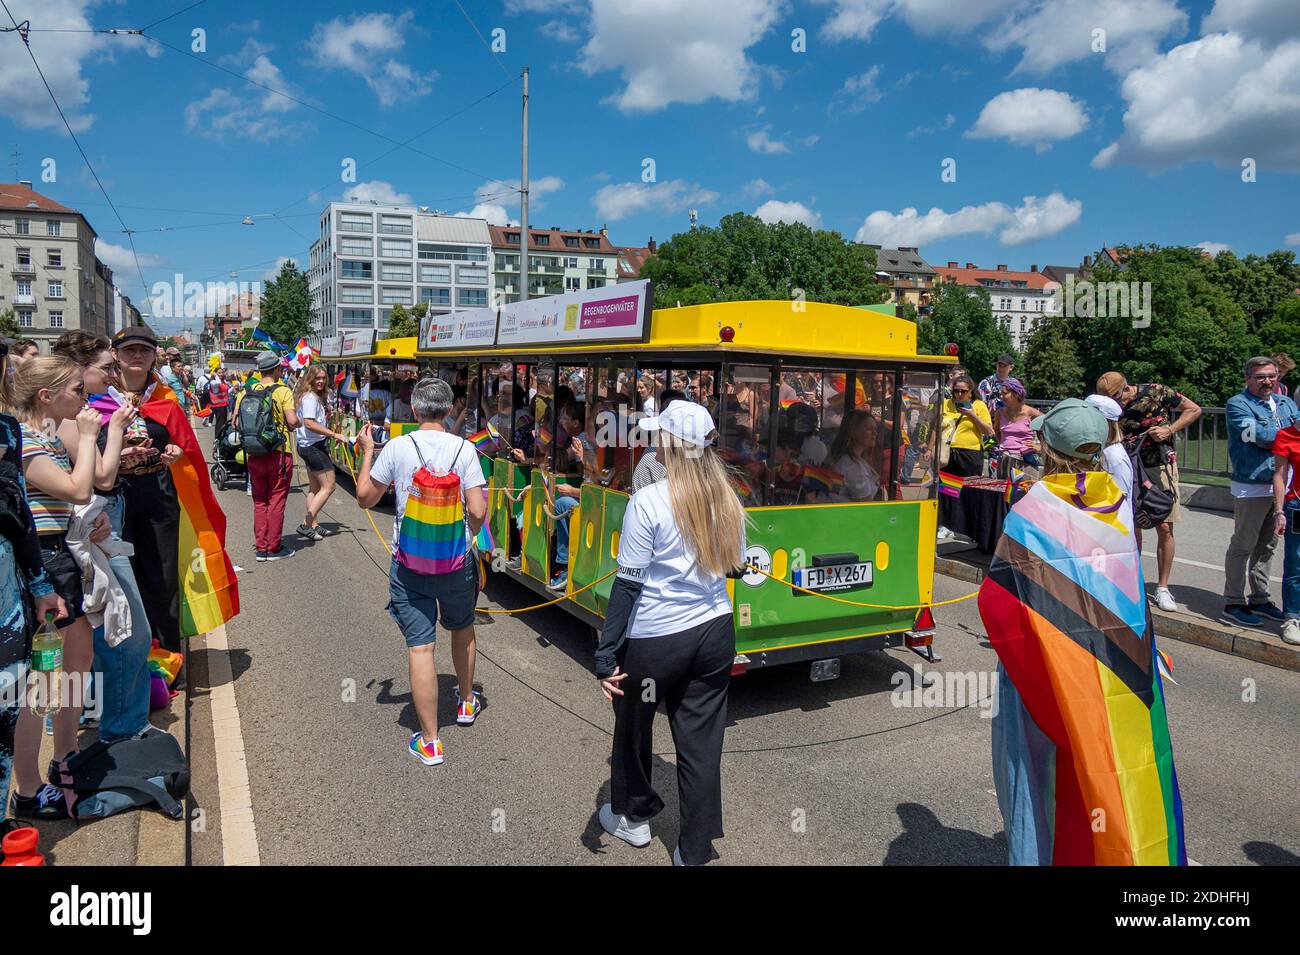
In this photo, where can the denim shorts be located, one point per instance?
(315, 457)
(415, 600)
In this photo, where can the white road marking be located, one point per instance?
(238, 832)
(1200, 563)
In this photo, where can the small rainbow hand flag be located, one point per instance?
(1165, 664)
(950, 484)
(788, 403)
(105, 405)
(482, 440)
(821, 479)
(743, 487)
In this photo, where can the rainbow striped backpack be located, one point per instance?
(431, 538)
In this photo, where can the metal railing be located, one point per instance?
(1202, 448)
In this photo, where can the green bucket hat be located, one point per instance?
(1071, 427)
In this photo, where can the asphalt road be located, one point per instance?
(829, 773)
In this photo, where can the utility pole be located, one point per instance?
(523, 204)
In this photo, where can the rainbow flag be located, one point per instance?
(743, 487)
(105, 404)
(209, 591)
(788, 403)
(1165, 663)
(482, 440)
(483, 540)
(950, 484)
(1065, 610)
(431, 537)
(821, 479)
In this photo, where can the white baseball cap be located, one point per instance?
(685, 420)
(1108, 407)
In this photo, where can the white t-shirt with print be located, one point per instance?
(399, 460)
(676, 595)
(311, 409)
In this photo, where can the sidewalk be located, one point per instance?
(1191, 625)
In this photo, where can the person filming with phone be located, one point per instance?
(974, 424)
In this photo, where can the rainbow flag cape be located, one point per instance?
(950, 484)
(1065, 609)
(209, 591)
(821, 479)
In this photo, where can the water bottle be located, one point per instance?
(47, 662)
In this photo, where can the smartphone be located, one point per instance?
(965, 404)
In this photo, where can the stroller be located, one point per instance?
(229, 453)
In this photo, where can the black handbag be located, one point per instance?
(1152, 504)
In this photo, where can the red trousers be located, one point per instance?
(270, 475)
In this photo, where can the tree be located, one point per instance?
(404, 324)
(744, 258)
(964, 316)
(1051, 365)
(286, 314)
(1258, 284)
(8, 323)
(1281, 333)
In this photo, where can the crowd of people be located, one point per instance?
(91, 457)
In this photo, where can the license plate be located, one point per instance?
(833, 577)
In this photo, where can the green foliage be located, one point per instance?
(285, 306)
(744, 258)
(1281, 333)
(1258, 284)
(403, 323)
(8, 323)
(1051, 365)
(965, 316)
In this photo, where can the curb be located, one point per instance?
(1186, 628)
(160, 840)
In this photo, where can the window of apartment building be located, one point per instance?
(351, 269)
(356, 318)
(23, 258)
(573, 283)
(505, 262)
(512, 238)
(597, 263)
(471, 296)
(395, 272)
(56, 319)
(471, 275)
(53, 227)
(395, 248)
(356, 222)
(591, 243)
(23, 226)
(436, 296)
(356, 294)
(571, 263)
(54, 289)
(395, 225)
(24, 319)
(24, 287)
(540, 240)
(54, 258)
(571, 241)
(441, 252)
(595, 282)
(435, 273)
(395, 296)
(356, 247)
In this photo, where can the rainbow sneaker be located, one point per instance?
(421, 749)
(467, 711)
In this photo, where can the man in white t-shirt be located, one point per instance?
(414, 599)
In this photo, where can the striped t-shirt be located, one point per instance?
(51, 514)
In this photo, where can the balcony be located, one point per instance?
(25, 299)
(593, 271)
(22, 268)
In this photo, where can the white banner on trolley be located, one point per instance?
(617, 313)
(357, 343)
(471, 328)
(331, 347)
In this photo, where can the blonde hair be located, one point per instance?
(20, 389)
(704, 504)
(304, 382)
(1054, 462)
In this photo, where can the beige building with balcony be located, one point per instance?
(559, 261)
(49, 274)
(908, 277)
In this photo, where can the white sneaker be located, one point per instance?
(944, 534)
(1291, 632)
(621, 827)
(1165, 600)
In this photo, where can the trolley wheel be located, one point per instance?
(219, 476)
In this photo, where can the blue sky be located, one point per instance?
(1059, 147)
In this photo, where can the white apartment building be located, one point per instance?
(558, 261)
(1019, 299)
(49, 274)
(370, 257)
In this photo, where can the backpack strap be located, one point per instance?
(158, 794)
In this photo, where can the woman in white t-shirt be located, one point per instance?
(1114, 459)
(311, 399)
(668, 627)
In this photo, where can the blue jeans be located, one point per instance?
(1291, 561)
(563, 505)
(123, 686)
(415, 601)
(1024, 775)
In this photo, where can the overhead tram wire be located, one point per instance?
(86, 159)
(172, 16)
(483, 40)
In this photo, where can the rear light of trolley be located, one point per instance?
(922, 632)
(739, 665)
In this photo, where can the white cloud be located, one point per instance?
(759, 142)
(542, 6)
(274, 270)
(1293, 239)
(368, 45)
(119, 257)
(1035, 218)
(620, 200)
(225, 113)
(698, 51)
(1268, 21)
(1060, 31)
(493, 212)
(561, 31)
(774, 210)
(756, 188)
(377, 191)
(947, 124)
(1030, 117)
(855, 19)
(932, 17)
(506, 191)
(859, 90)
(1220, 98)
(1214, 248)
(1105, 157)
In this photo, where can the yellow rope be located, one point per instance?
(855, 603)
